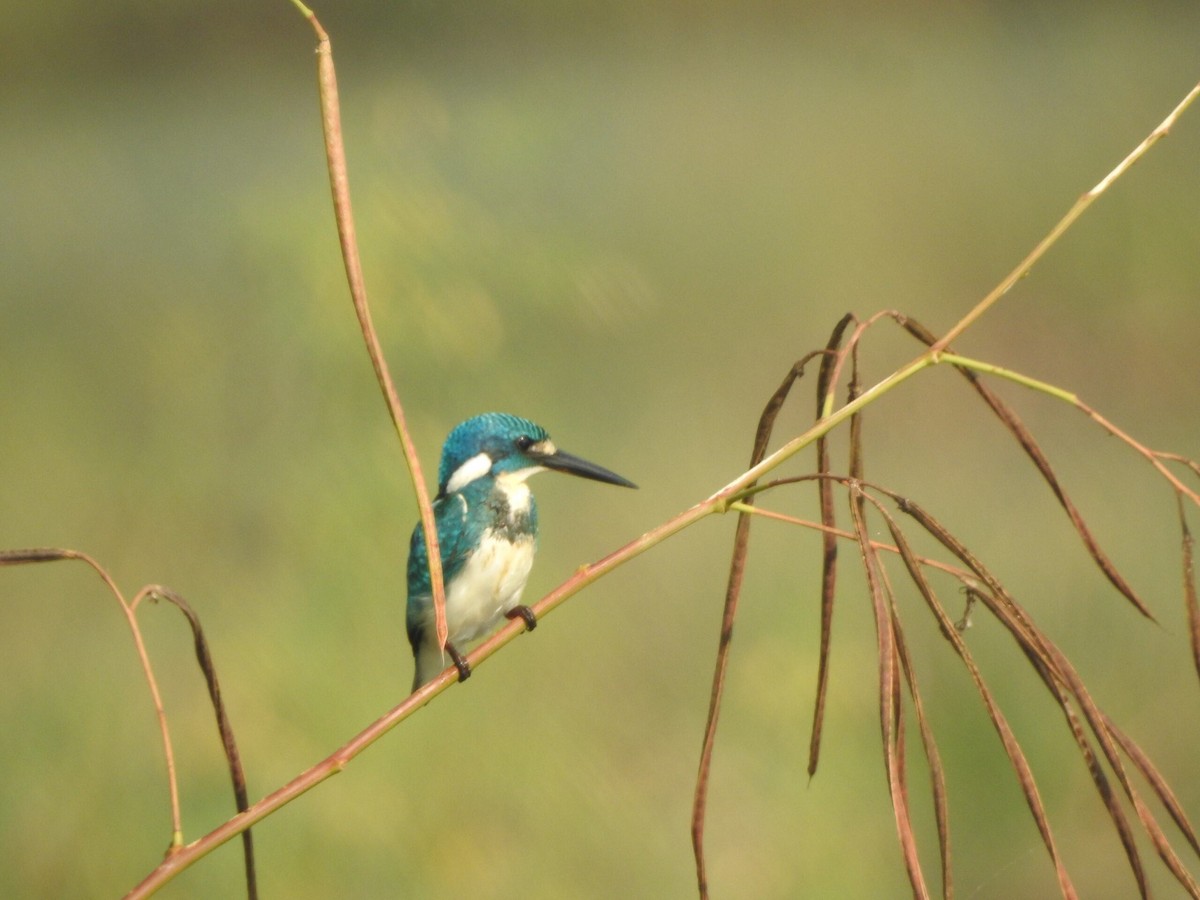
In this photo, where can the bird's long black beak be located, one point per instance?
(573, 465)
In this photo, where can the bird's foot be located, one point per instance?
(460, 662)
(523, 612)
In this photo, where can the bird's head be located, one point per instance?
(497, 444)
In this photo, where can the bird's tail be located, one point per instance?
(429, 662)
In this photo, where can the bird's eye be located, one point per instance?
(524, 442)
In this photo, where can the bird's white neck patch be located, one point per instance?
(508, 479)
(516, 491)
(475, 467)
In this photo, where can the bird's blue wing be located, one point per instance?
(455, 541)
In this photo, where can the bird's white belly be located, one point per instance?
(489, 585)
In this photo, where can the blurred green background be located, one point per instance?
(625, 221)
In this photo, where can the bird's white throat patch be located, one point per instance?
(516, 491)
(475, 467)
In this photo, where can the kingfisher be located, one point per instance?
(487, 530)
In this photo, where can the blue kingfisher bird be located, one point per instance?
(487, 532)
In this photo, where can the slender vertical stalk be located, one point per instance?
(339, 182)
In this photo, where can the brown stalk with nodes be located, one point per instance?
(1099, 740)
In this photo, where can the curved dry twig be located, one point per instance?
(1009, 741)
(1189, 586)
(55, 554)
(826, 378)
(1011, 421)
(889, 705)
(1052, 665)
(339, 183)
(1047, 660)
(937, 774)
(733, 591)
(204, 658)
(233, 758)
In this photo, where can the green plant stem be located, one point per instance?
(1154, 457)
(1000, 372)
(822, 427)
(1078, 209)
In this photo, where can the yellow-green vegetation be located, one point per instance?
(624, 221)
